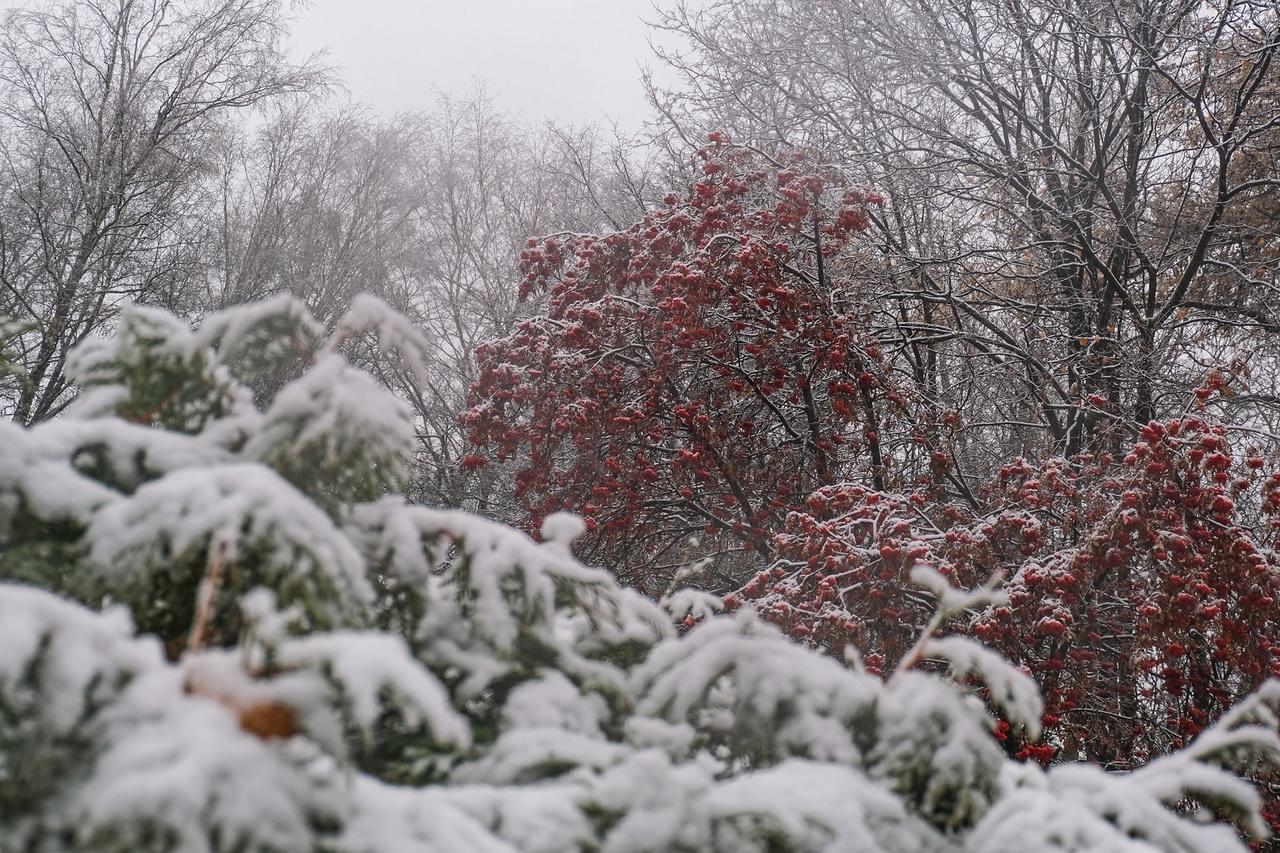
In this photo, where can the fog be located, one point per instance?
(569, 60)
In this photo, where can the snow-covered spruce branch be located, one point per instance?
(226, 631)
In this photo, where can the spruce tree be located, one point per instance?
(223, 628)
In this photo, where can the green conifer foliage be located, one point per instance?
(222, 628)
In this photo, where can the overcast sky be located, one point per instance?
(571, 60)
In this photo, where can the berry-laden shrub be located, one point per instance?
(223, 629)
(1142, 589)
(687, 381)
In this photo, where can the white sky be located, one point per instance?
(569, 60)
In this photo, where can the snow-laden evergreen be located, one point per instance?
(222, 629)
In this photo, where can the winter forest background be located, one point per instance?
(878, 450)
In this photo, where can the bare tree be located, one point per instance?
(430, 212)
(1066, 183)
(617, 177)
(108, 109)
(487, 184)
(317, 203)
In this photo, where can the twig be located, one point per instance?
(209, 586)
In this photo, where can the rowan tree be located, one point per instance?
(696, 375)
(1142, 589)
